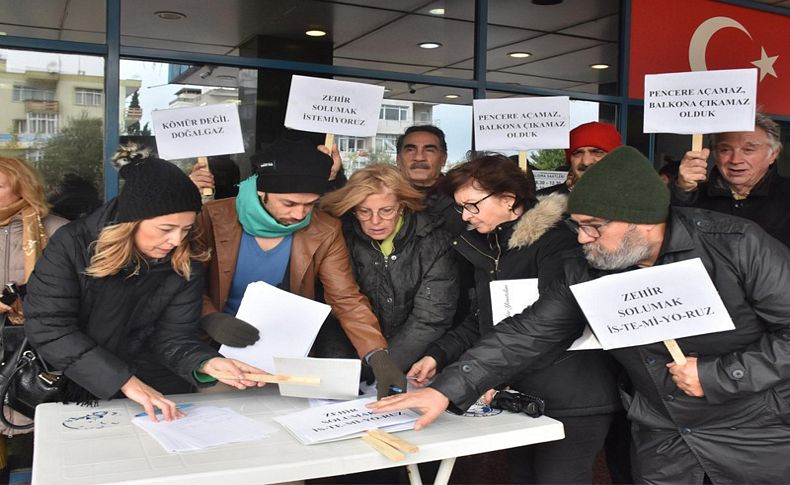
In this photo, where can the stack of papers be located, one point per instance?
(342, 421)
(203, 427)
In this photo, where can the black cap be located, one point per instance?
(292, 166)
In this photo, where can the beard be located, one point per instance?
(632, 249)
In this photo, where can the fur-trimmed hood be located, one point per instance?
(540, 218)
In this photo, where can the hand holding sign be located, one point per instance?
(693, 169)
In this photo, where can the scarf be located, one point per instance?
(387, 246)
(34, 238)
(254, 218)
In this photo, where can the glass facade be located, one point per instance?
(105, 65)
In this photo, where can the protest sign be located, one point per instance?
(652, 304)
(333, 107)
(521, 123)
(510, 297)
(197, 132)
(343, 420)
(700, 102)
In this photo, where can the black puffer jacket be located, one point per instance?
(739, 432)
(414, 291)
(577, 383)
(57, 311)
(768, 204)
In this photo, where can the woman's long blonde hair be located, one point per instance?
(26, 182)
(373, 179)
(115, 249)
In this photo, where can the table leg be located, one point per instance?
(444, 472)
(414, 474)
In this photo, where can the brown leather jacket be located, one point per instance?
(317, 251)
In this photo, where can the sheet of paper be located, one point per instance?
(204, 427)
(197, 132)
(329, 106)
(343, 421)
(521, 123)
(653, 304)
(700, 101)
(339, 377)
(288, 325)
(509, 297)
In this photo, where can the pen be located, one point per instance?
(159, 411)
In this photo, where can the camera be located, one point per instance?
(11, 292)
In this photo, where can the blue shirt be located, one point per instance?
(255, 264)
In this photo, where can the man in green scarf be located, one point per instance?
(273, 232)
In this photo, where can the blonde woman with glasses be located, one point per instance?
(402, 259)
(115, 299)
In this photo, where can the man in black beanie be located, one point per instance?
(724, 416)
(272, 232)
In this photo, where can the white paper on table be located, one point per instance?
(343, 421)
(288, 325)
(339, 377)
(510, 297)
(203, 427)
(653, 304)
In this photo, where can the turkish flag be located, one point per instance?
(698, 35)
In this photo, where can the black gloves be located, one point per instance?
(387, 373)
(229, 330)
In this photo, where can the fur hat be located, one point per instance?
(622, 186)
(153, 187)
(292, 166)
(593, 134)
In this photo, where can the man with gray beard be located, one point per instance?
(724, 416)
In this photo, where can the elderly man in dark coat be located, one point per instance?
(724, 416)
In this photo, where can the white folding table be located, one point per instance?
(81, 445)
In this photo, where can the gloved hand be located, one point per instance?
(229, 330)
(387, 373)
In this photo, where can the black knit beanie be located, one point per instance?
(622, 186)
(292, 166)
(153, 187)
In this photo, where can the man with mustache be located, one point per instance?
(421, 156)
(273, 232)
(724, 416)
(744, 181)
(588, 144)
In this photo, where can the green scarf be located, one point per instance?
(254, 218)
(388, 245)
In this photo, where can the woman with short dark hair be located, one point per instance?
(516, 236)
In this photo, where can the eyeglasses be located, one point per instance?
(386, 213)
(471, 207)
(592, 230)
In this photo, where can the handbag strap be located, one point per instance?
(15, 364)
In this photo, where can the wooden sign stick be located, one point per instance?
(696, 142)
(272, 378)
(675, 352)
(329, 141)
(522, 161)
(393, 440)
(383, 448)
(207, 191)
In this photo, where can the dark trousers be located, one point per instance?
(569, 460)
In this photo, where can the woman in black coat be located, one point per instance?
(402, 259)
(115, 298)
(517, 237)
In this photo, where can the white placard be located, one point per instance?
(288, 325)
(509, 297)
(343, 421)
(521, 123)
(339, 377)
(197, 132)
(687, 103)
(653, 304)
(329, 106)
(548, 178)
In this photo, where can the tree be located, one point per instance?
(550, 159)
(77, 149)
